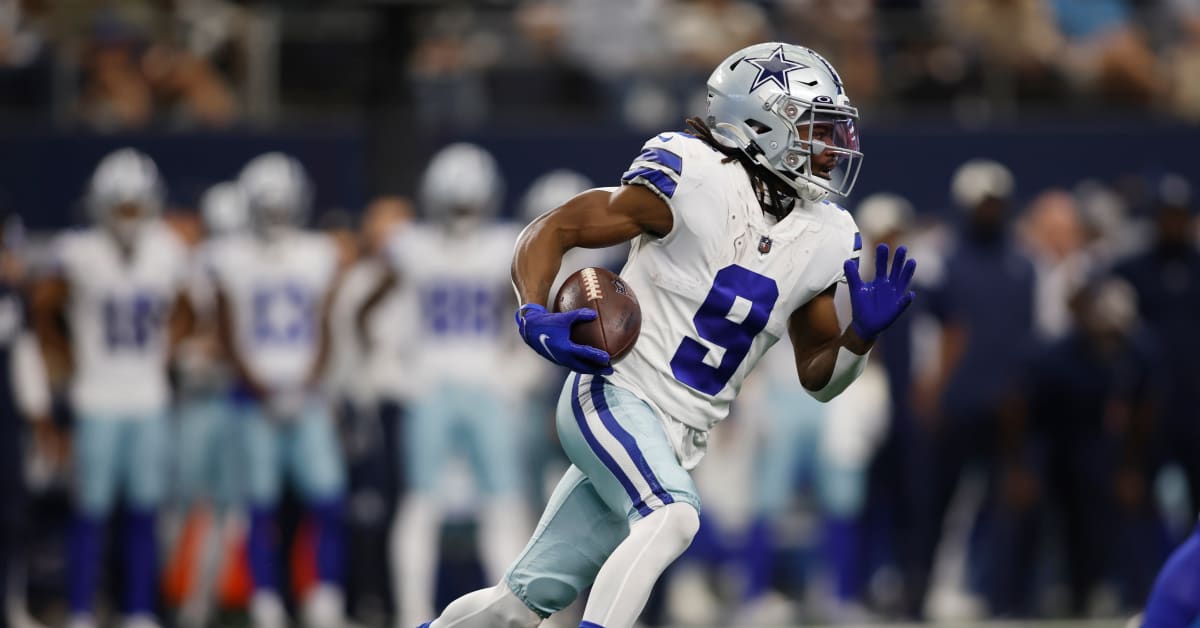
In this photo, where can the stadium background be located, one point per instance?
(1062, 92)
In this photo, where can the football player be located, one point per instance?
(273, 289)
(734, 245)
(119, 287)
(204, 453)
(455, 266)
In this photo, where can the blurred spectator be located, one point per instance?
(1167, 280)
(1182, 57)
(115, 94)
(1052, 234)
(985, 307)
(189, 86)
(446, 68)
(1015, 42)
(1105, 52)
(843, 31)
(1092, 402)
(701, 33)
(24, 59)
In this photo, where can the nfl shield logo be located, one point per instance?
(764, 245)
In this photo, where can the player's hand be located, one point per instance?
(550, 335)
(878, 303)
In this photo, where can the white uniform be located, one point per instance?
(461, 284)
(117, 313)
(717, 291)
(275, 292)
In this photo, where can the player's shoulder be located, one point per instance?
(672, 159)
(77, 246)
(835, 216)
(844, 233)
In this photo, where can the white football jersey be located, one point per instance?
(118, 311)
(717, 291)
(276, 291)
(461, 285)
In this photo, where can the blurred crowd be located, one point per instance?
(230, 412)
(115, 64)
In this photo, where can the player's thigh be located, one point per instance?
(315, 454)
(96, 449)
(146, 460)
(196, 448)
(577, 532)
(620, 444)
(258, 451)
(225, 472)
(427, 439)
(491, 428)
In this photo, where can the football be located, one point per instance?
(618, 317)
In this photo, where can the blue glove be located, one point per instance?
(550, 335)
(878, 304)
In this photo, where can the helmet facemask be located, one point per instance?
(816, 132)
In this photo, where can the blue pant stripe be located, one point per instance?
(588, 624)
(600, 452)
(627, 441)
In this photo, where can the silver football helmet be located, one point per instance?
(277, 193)
(223, 209)
(124, 193)
(782, 105)
(461, 185)
(551, 190)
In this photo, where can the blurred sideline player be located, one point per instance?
(119, 287)
(24, 394)
(205, 446)
(456, 266)
(369, 376)
(831, 446)
(734, 245)
(274, 286)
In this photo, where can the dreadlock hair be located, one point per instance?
(774, 196)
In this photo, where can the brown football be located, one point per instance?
(618, 316)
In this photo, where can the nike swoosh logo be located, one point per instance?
(664, 138)
(542, 339)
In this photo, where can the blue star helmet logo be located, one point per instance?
(774, 68)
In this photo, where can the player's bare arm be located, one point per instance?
(182, 323)
(828, 359)
(49, 302)
(388, 282)
(817, 337)
(593, 219)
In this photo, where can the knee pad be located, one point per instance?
(674, 526)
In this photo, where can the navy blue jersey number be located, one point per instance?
(456, 308)
(718, 322)
(131, 321)
(283, 314)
